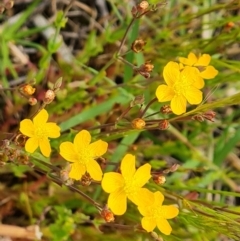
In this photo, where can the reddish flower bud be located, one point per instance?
(166, 109)
(107, 214)
(32, 101)
(163, 124)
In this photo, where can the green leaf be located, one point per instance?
(221, 153)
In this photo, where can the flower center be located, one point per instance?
(181, 85)
(83, 156)
(158, 212)
(130, 186)
(41, 132)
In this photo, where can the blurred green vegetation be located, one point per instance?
(205, 186)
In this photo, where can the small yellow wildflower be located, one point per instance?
(39, 131)
(156, 214)
(82, 155)
(128, 184)
(182, 86)
(201, 63)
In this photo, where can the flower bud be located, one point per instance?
(166, 109)
(163, 124)
(138, 123)
(159, 179)
(9, 4)
(49, 96)
(137, 45)
(107, 214)
(145, 69)
(27, 90)
(32, 101)
(86, 180)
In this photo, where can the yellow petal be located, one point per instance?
(171, 73)
(164, 93)
(94, 170)
(128, 166)
(192, 76)
(142, 175)
(117, 202)
(31, 144)
(203, 60)
(164, 226)
(209, 73)
(144, 198)
(41, 117)
(77, 171)
(169, 211)
(178, 104)
(45, 147)
(82, 139)
(190, 61)
(112, 181)
(158, 199)
(27, 127)
(67, 151)
(52, 129)
(193, 96)
(98, 148)
(148, 223)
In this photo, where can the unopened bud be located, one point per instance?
(166, 109)
(140, 9)
(163, 124)
(159, 179)
(86, 180)
(107, 214)
(138, 123)
(147, 67)
(210, 115)
(9, 4)
(143, 5)
(137, 45)
(27, 90)
(32, 101)
(49, 96)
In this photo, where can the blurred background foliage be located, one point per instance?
(36, 42)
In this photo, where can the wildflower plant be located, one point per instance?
(109, 143)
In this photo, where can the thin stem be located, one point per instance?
(146, 108)
(125, 37)
(126, 62)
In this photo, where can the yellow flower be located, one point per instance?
(156, 214)
(81, 154)
(128, 184)
(201, 63)
(39, 131)
(182, 86)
